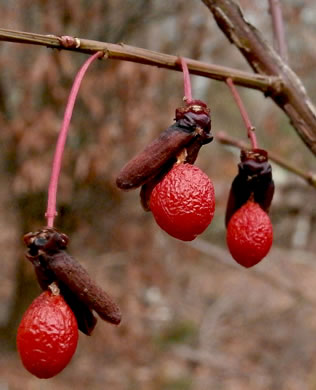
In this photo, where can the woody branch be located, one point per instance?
(291, 96)
(142, 56)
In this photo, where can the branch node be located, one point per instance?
(276, 86)
(69, 42)
(105, 54)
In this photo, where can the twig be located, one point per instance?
(222, 256)
(243, 112)
(60, 146)
(278, 28)
(217, 361)
(143, 56)
(309, 177)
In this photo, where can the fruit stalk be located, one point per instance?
(186, 81)
(243, 112)
(60, 146)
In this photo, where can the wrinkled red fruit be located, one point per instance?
(249, 234)
(183, 202)
(47, 336)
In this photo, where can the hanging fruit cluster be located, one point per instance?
(181, 197)
(48, 333)
(182, 200)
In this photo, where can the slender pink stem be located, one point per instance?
(243, 112)
(186, 81)
(60, 146)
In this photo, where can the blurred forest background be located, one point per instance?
(192, 318)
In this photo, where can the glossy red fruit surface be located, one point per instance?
(249, 234)
(183, 202)
(47, 336)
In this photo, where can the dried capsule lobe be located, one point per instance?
(73, 275)
(191, 131)
(151, 160)
(254, 179)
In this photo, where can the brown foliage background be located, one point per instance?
(192, 319)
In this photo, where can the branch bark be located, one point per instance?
(291, 97)
(135, 54)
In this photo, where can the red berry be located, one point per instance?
(47, 336)
(249, 234)
(183, 202)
